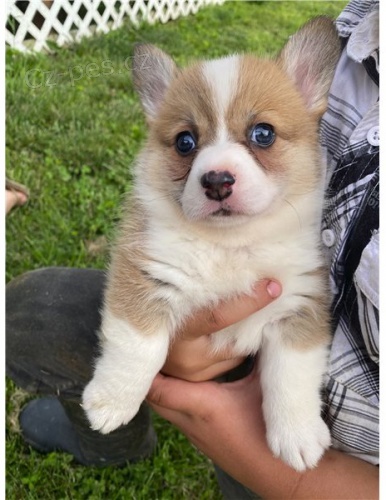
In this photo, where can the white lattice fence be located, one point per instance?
(31, 24)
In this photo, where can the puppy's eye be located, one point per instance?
(185, 143)
(263, 135)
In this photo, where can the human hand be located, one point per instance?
(191, 357)
(219, 419)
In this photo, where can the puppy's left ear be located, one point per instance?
(153, 71)
(309, 58)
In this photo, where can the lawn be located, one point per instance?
(74, 125)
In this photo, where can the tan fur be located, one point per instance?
(131, 296)
(266, 95)
(188, 105)
(311, 326)
(319, 31)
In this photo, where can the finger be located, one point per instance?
(206, 322)
(177, 418)
(175, 394)
(194, 359)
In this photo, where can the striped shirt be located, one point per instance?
(350, 140)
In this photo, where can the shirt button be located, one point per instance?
(373, 136)
(328, 237)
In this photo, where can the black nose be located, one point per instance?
(217, 185)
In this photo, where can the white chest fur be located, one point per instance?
(201, 272)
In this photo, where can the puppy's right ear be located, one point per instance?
(153, 70)
(309, 58)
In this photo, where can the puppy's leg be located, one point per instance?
(292, 363)
(123, 374)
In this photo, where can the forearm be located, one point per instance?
(337, 476)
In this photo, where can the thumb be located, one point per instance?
(176, 394)
(229, 312)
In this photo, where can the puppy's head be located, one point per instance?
(237, 137)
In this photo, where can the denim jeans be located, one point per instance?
(52, 322)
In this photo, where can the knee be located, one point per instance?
(52, 320)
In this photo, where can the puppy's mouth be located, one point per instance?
(222, 212)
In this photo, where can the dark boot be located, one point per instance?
(49, 424)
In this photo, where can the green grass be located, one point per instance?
(176, 471)
(74, 126)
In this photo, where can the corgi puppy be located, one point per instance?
(228, 190)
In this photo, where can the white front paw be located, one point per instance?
(107, 406)
(299, 444)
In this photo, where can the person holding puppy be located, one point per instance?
(225, 420)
